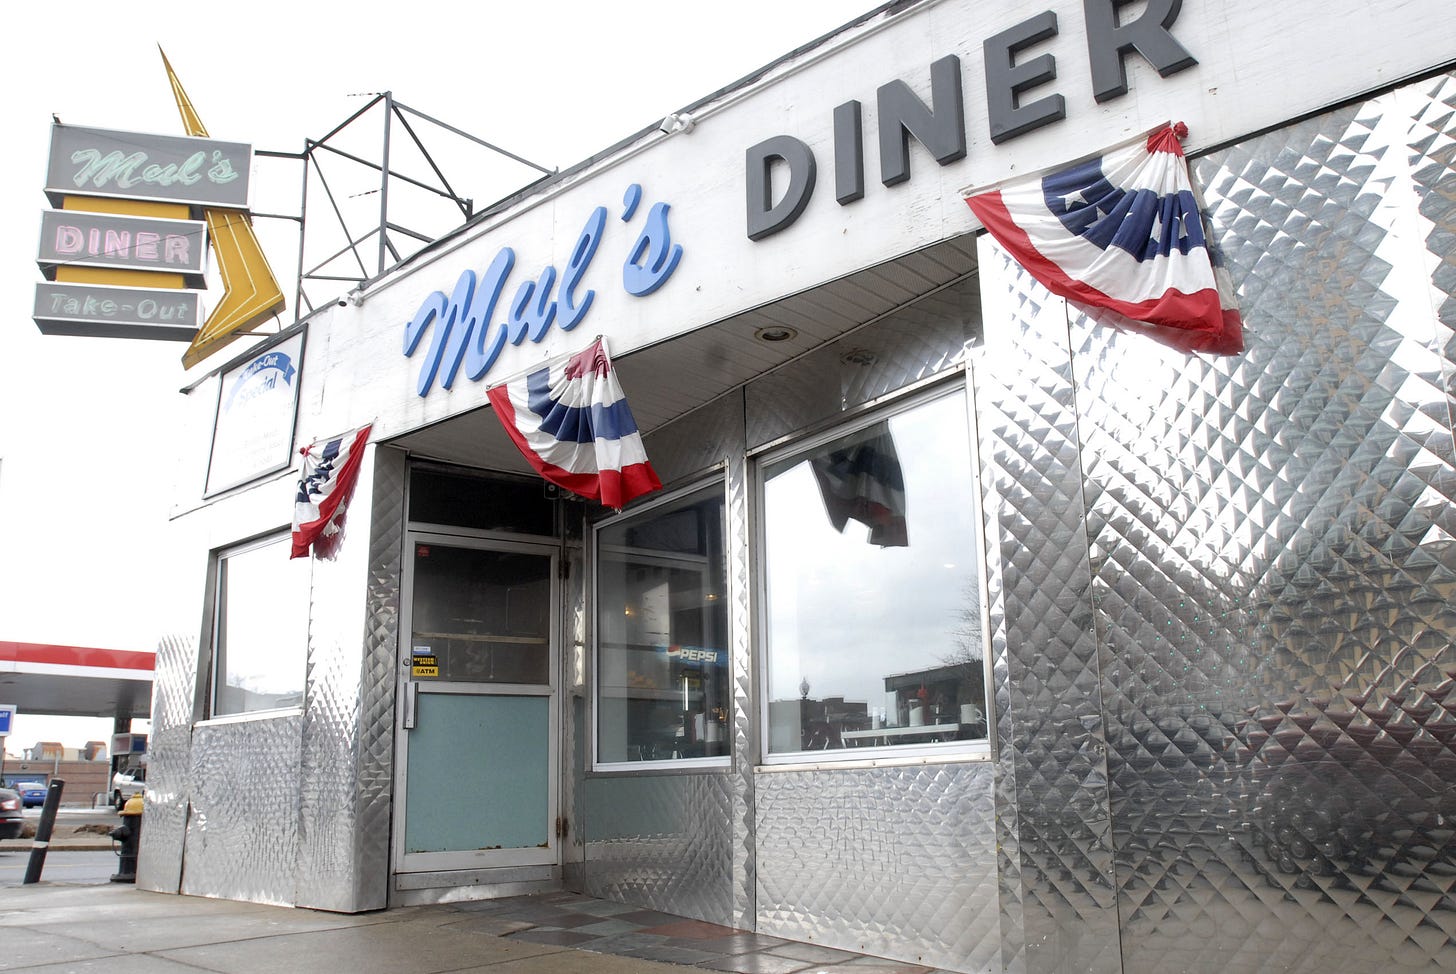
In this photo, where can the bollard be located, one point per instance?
(129, 834)
(43, 832)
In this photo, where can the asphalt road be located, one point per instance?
(64, 865)
(70, 819)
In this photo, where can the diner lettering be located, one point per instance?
(144, 246)
(1011, 73)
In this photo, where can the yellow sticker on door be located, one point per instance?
(423, 663)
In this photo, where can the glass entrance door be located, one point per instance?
(478, 709)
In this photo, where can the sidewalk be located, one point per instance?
(118, 929)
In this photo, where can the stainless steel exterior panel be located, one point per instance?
(169, 780)
(1057, 879)
(894, 862)
(901, 861)
(1272, 570)
(1282, 623)
(904, 347)
(375, 720)
(745, 683)
(663, 842)
(348, 725)
(699, 441)
(242, 833)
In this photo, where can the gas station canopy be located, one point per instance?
(76, 681)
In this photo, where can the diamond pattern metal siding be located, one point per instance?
(1432, 147)
(1273, 567)
(375, 728)
(327, 784)
(704, 438)
(745, 709)
(912, 343)
(159, 866)
(343, 863)
(1057, 879)
(894, 862)
(242, 833)
(662, 842)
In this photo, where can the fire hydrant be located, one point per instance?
(129, 834)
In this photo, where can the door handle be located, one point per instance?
(411, 692)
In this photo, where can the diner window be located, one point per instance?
(872, 581)
(662, 671)
(260, 643)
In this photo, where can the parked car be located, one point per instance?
(11, 816)
(127, 782)
(32, 793)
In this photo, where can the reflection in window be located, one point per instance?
(662, 624)
(872, 579)
(261, 641)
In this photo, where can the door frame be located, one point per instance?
(406, 689)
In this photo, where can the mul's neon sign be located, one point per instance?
(132, 165)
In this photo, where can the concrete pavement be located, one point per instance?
(62, 927)
(118, 929)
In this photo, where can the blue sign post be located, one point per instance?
(7, 719)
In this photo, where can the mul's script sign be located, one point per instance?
(129, 165)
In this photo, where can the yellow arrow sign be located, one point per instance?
(250, 292)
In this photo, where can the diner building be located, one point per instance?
(971, 626)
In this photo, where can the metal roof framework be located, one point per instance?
(362, 243)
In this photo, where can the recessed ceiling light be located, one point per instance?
(775, 333)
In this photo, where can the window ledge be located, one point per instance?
(251, 715)
(716, 765)
(981, 754)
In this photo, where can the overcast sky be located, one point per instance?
(87, 425)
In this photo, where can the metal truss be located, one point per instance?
(349, 241)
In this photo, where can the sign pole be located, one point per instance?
(7, 720)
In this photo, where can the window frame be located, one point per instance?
(658, 766)
(877, 411)
(216, 649)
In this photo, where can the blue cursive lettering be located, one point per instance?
(572, 310)
(653, 257)
(462, 323)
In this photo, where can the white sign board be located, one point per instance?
(7, 718)
(253, 434)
